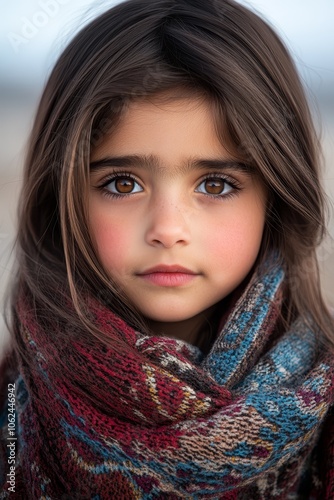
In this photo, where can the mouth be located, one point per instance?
(168, 276)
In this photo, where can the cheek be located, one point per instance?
(111, 240)
(235, 240)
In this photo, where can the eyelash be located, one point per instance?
(222, 177)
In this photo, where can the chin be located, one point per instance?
(169, 318)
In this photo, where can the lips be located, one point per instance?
(168, 276)
(167, 269)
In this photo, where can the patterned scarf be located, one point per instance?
(155, 419)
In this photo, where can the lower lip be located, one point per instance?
(168, 279)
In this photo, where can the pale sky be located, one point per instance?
(33, 33)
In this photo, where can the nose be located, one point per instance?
(167, 225)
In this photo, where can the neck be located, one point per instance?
(198, 330)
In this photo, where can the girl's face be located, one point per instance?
(175, 220)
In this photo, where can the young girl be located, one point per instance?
(169, 337)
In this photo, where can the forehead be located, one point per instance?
(166, 131)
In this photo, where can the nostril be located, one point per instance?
(167, 226)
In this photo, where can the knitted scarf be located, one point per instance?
(155, 419)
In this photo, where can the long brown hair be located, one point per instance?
(138, 49)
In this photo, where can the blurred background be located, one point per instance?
(34, 32)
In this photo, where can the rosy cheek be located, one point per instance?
(111, 240)
(234, 241)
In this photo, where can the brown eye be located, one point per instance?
(214, 186)
(124, 185)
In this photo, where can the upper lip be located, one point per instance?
(161, 268)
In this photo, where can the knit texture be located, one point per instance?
(156, 419)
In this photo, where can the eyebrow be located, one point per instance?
(152, 163)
